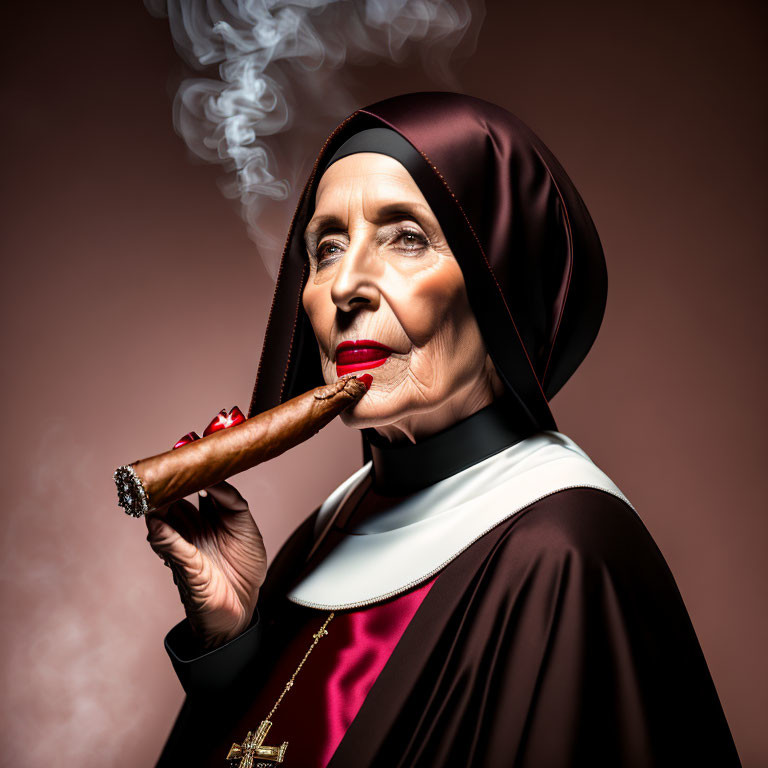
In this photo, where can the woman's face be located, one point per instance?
(386, 297)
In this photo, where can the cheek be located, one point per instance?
(448, 348)
(320, 311)
(435, 310)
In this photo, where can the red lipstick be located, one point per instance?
(358, 355)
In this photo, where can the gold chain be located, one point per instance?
(322, 632)
(252, 747)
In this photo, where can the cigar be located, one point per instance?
(147, 485)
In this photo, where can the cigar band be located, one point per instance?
(131, 495)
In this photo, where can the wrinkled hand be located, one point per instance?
(217, 557)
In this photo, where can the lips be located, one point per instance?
(359, 355)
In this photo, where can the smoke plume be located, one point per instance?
(273, 55)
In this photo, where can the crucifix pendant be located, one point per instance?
(251, 749)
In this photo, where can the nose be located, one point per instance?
(355, 283)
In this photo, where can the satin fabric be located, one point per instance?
(333, 684)
(529, 252)
(557, 639)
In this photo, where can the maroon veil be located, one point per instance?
(529, 252)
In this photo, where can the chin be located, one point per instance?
(392, 398)
(383, 409)
(369, 415)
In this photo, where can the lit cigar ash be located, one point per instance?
(149, 484)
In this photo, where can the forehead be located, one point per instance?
(375, 179)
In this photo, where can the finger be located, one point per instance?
(185, 518)
(168, 544)
(180, 518)
(222, 497)
(180, 580)
(175, 509)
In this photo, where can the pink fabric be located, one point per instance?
(333, 684)
(372, 635)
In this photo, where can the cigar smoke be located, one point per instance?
(277, 56)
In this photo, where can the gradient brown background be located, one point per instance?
(134, 307)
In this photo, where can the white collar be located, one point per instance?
(411, 542)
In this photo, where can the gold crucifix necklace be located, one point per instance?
(253, 747)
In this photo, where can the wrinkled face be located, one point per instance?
(386, 297)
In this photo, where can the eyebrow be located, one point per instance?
(331, 223)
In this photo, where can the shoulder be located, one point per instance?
(585, 552)
(589, 519)
(583, 526)
(558, 498)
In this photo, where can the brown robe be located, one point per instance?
(557, 639)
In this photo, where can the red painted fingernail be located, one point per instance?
(216, 423)
(235, 416)
(367, 379)
(222, 420)
(190, 437)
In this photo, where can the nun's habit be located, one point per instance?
(511, 609)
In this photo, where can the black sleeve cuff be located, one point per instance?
(208, 672)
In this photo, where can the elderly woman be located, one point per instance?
(479, 592)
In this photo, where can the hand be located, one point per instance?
(217, 557)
